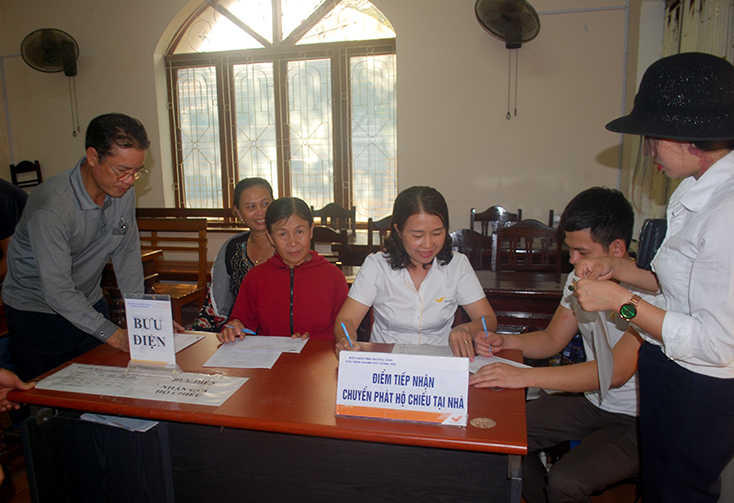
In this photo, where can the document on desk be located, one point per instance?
(269, 343)
(254, 352)
(186, 339)
(421, 350)
(228, 357)
(481, 361)
(198, 389)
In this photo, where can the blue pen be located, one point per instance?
(484, 326)
(245, 330)
(349, 339)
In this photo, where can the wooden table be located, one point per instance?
(523, 299)
(276, 439)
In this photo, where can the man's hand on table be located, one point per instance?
(118, 340)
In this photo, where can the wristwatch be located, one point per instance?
(629, 308)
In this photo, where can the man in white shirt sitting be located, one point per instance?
(597, 222)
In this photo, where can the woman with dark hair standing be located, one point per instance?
(238, 254)
(416, 284)
(297, 292)
(685, 112)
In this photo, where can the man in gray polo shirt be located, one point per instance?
(72, 225)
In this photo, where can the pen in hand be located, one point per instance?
(349, 339)
(484, 326)
(245, 330)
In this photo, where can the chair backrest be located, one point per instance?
(651, 237)
(494, 216)
(336, 217)
(529, 246)
(24, 167)
(477, 247)
(178, 236)
(552, 219)
(381, 226)
(329, 238)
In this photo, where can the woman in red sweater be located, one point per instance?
(296, 292)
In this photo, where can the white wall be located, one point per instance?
(452, 96)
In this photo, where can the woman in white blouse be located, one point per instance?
(416, 284)
(685, 112)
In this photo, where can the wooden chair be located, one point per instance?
(175, 236)
(495, 216)
(337, 217)
(328, 238)
(477, 247)
(529, 246)
(24, 167)
(112, 290)
(383, 227)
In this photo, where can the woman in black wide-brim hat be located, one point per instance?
(685, 112)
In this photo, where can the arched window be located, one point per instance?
(299, 92)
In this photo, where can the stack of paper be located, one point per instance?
(254, 352)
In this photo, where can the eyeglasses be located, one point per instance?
(124, 175)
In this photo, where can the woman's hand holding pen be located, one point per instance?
(232, 330)
(461, 342)
(342, 344)
(347, 342)
(303, 336)
(488, 344)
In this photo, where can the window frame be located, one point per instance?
(338, 52)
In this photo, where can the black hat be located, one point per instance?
(687, 96)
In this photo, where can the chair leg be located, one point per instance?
(177, 311)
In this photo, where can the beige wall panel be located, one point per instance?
(452, 96)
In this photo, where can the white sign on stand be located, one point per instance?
(150, 331)
(404, 387)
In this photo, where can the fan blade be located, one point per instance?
(50, 50)
(513, 21)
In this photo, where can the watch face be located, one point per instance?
(628, 311)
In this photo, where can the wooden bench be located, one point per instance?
(178, 237)
(187, 270)
(216, 216)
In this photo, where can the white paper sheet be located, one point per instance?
(481, 361)
(268, 343)
(199, 389)
(150, 329)
(186, 339)
(126, 423)
(421, 350)
(227, 356)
